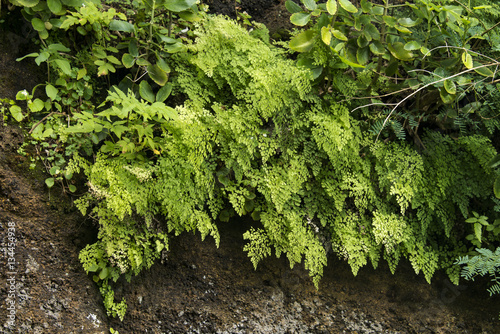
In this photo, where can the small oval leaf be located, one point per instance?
(300, 19)
(348, 6)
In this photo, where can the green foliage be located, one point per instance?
(211, 122)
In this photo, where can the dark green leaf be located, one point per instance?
(164, 92)
(179, 5)
(119, 25)
(292, 7)
(55, 6)
(146, 91)
(157, 74)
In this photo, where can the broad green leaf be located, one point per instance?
(36, 105)
(128, 60)
(58, 47)
(424, 51)
(366, 6)
(300, 19)
(304, 41)
(377, 48)
(377, 10)
(372, 31)
(146, 91)
(292, 7)
(81, 73)
(164, 92)
(407, 22)
(17, 113)
(72, 188)
(496, 187)
(390, 21)
(450, 87)
(179, 5)
(326, 35)
(484, 71)
(132, 48)
(189, 16)
(44, 34)
(331, 7)
(477, 231)
(50, 182)
(339, 35)
(445, 96)
(28, 3)
(157, 74)
(55, 6)
(413, 45)
(104, 273)
(348, 6)
(310, 4)
(64, 65)
(38, 24)
(398, 51)
(363, 55)
(51, 91)
(467, 60)
(163, 65)
(118, 25)
(142, 62)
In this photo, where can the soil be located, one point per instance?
(199, 288)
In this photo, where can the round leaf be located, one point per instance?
(49, 182)
(38, 24)
(17, 113)
(300, 19)
(339, 35)
(363, 55)
(118, 25)
(55, 6)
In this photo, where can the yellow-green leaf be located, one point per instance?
(326, 35)
(331, 7)
(450, 87)
(398, 51)
(348, 6)
(467, 60)
(300, 19)
(339, 35)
